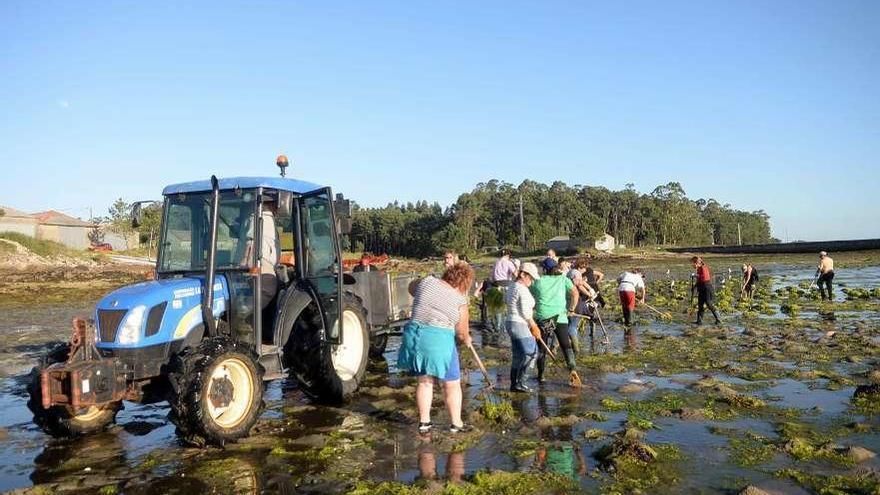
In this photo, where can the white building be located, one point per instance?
(18, 221)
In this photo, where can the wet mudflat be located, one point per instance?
(778, 397)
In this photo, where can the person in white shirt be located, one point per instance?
(270, 246)
(630, 283)
(521, 326)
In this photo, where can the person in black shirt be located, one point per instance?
(593, 277)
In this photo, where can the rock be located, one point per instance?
(690, 414)
(753, 490)
(543, 422)
(858, 454)
(4, 434)
(569, 420)
(866, 390)
(315, 440)
(632, 388)
(714, 387)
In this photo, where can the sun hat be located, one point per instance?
(531, 269)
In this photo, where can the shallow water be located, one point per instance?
(373, 436)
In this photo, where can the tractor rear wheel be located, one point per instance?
(217, 391)
(331, 373)
(63, 421)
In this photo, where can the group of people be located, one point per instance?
(543, 307)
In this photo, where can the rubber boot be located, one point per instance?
(542, 361)
(569, 358)
(521, 378)
(514, 379)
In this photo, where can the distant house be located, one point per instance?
(58, 227)
(564, 243)
(606, 243)
(18, 221)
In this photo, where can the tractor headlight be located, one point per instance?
(130, 333)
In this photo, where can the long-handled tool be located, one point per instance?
(546, 349)
(574, 378)
(602, 326)
(490, 387)
(660, 313)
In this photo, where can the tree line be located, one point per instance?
(488, 217)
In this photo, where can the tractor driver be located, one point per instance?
(271, 249)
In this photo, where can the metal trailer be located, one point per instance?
(387, 301)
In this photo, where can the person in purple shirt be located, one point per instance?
(504, 270)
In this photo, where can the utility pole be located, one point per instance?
(739, 233)
(522, 230)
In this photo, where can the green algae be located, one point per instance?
(636, 466)
(748, 448)
(481, 483)
(833, 484)
(498, 412)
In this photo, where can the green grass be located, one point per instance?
(41, 247)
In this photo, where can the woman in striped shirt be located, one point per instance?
(439, 315)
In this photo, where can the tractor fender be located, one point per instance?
(295, 301)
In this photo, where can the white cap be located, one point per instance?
(531, 269)
(823, 253)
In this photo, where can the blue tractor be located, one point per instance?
(248, 287)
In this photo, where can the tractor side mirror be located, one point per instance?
(136, 215)
(285, 204)
(342, 209)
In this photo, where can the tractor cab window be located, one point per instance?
(187, 231)
(284, 223)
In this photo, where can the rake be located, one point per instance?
(665, 316)
(575, 379)
(607, 341)
(490, 387)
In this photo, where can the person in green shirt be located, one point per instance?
(556, 297)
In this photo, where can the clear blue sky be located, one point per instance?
(772, 105)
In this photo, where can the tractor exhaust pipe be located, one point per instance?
(208, 292)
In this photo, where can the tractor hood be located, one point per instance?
(155, 312)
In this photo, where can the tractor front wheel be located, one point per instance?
(217, 392)
(63, 421)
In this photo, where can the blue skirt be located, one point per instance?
(429, 350)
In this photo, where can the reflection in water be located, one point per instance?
(62, 458)
(565, 459)
(428, 465)
(630, 343)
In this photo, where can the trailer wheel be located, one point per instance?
(62, 421)
(330, 373)
(217, 391)
(377, 345)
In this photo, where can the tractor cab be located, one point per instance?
(272, 234)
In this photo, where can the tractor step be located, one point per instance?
(268, 349)
(270, 358)
(278, 375)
